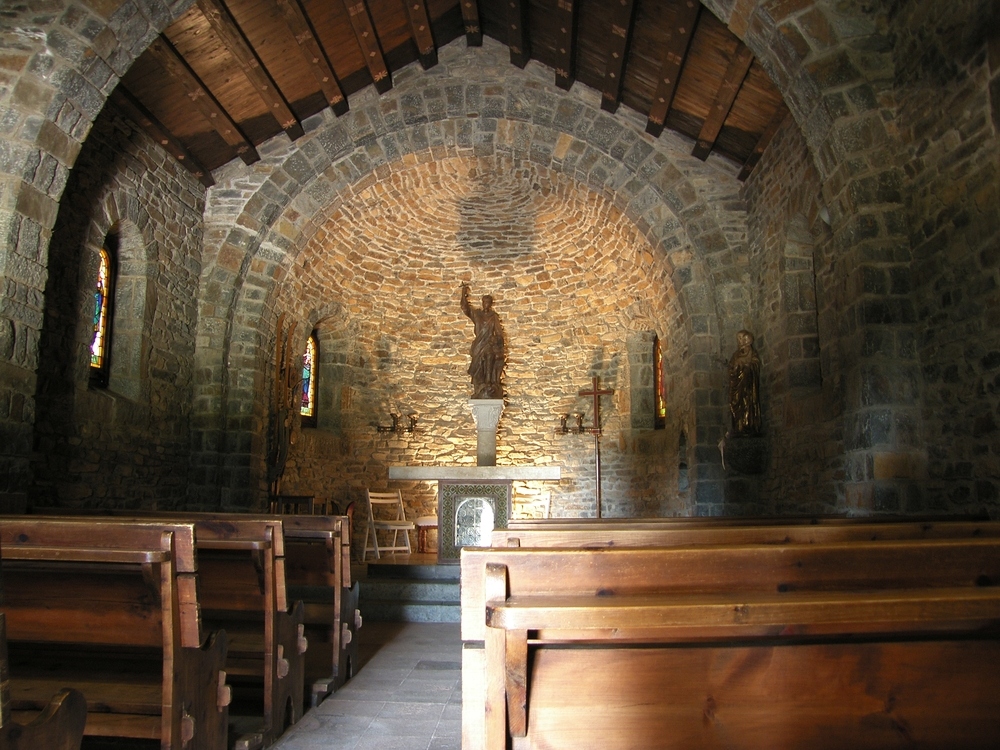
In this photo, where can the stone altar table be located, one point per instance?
(472, 500)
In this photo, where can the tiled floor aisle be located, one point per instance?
(407, 695)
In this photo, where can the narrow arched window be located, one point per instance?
(309, 372)
(660, 417)
(103, 299)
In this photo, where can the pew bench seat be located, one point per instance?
(792, 613)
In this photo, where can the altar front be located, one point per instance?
(472, 500)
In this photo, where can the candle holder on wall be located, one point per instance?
(397, 426)
(577, 428)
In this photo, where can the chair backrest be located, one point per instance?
(386, 506)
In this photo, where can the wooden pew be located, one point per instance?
(244, 591)
(112, 610)
(847, 644)
(318, 566)
(58, 727)
(652, 533)
(314, 565)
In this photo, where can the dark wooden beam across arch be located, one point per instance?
(738, 68)
(229, 32)
(202, 99)
(617, 53)
(675, 50)
(420, 27)
(565, 20)
(518, 39)
(315, 56)
(470, 19)
(364, 31)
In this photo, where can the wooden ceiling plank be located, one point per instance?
(676, 49)
(473, 28)
(518, 39)
(364, 30)
(738, 68)
(202, 99)
(765, 139)
(420, 25)
(232, 36)
(618, 49)
(314, 54)
(565, 18)
(132, 108)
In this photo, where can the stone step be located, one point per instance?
(409, 593)
(409, 589)
(394, 611)
(417, 572)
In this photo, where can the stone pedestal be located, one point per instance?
(486, 412)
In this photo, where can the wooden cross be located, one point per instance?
(596, 392)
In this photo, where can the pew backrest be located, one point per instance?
(645, 534)
(740, 569)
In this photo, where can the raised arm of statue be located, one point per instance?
(466, 305)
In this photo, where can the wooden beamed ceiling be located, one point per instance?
(229, 74)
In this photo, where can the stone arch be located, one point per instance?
(256, 315)
(299, 186)
(844, 74)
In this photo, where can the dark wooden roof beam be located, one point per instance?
(470, 18)
(312, 51)
(420, 25)
(133, 109)
(229, 32)
(364, 30)
(618, 46)
(565, 16)
(675, 51)
(518, 39)
(738, 68)
(762, 143)
(202, 99)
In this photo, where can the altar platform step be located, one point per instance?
(408, 588)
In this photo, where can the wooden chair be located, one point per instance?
(385, 513)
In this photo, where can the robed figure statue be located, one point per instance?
(488, 351)
(744, 387)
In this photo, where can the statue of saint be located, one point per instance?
(488, 351)
(744, 387)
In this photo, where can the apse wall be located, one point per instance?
(472, 107)
(580, 291)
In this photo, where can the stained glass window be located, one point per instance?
(661, 389)
(308, 407)
(100, 343)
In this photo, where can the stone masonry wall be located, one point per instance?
(949, 116)
(473, 105)
(128, 445)
(572, 281)
(799, 390)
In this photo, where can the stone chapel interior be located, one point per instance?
(746, 255)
